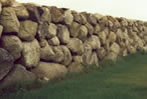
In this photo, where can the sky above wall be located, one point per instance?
(134, 9)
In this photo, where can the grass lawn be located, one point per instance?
(125, 79)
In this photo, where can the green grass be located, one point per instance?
(125, 79)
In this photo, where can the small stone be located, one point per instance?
(90, 28)
(9, 21)
(13, 45)
(112, 37)
(74, 29)
(57, 15)
(50, 70)
(28, 30)
(68, 17)
(76, 46)
(46, 52)
(83, 32)
(63, 34)
(6, 63)
(1, 30)
(75, 67)
(94, 42)
(52, 31)
(19, 75)
(21, 11)
(54, 41)
(31, 54)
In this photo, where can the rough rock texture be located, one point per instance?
(76, 46)
(31, 53)
(54, 41)
(75, 67)
(7, 2)
(83, 32)
(87, 54)
(46, 52)
(68, 17)
(49, 70)
(57, 15)
(41, 37)
(63, 34)
(46, 15)
(6, 63)
(21, 11)
(1, 30)
(9, 21)
(94, 42)
(78, 59)
(34, 14)
(27, 30)
(52, 30)
(19, 75)
(74, 29)
(0, 8)
(13, 45)
(67, 56)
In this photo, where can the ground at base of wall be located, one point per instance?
(126, 80)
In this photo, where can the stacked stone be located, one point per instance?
(48, 42)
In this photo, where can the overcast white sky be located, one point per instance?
(136, 9)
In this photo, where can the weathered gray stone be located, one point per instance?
(52, 31)
(0, 8)
(76, 16)
(101, 53)
(54, 41)
(21, 11)
(77, 59)
(68, 17)
(34, 14)
(94, 42)
(31, 53)
(46, 52)
(75, 67)
(28, 30)
(90, 28)
(13, 45)
(94, 59)
(111, 56)
(103, 21)
(124, 22)
(7, 2)
(57, 15)
(67, 56)
(76, 46)
(74, 29)
(86, 56)
(46, 15)
(97, 29)
(59, 54)
(102, 37)
(50, 71)
(9, 21)
(98, 16)
(1, 30)
(83, 32)
(131, 49)
(19, 75)
(63, 34)
(92, 19)
(115, 48)
(112, 37)
(6, 63)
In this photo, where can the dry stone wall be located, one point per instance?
(45, 42)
